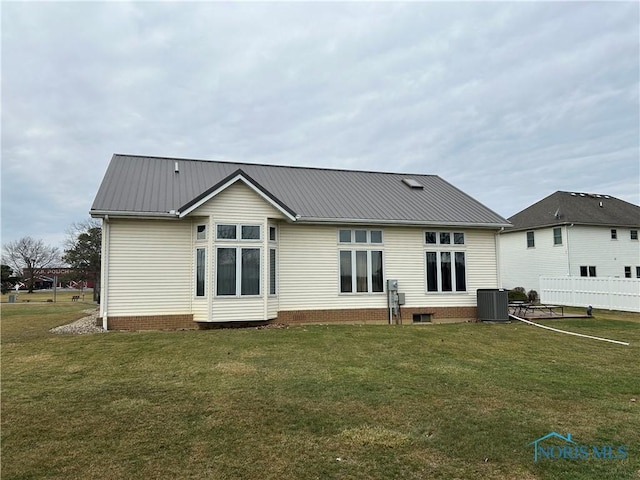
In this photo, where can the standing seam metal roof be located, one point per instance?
(149, 185)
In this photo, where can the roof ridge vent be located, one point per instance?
(412, 183)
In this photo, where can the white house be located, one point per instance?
(190, 243)
(571, 234)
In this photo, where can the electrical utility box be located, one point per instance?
(392, 285)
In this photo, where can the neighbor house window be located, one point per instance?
(201, 265)
(361, 271)
(627, 272)
(238, 271)
(557, 236)
(446, 272)
(587, 271)
(614, 234)
(531, 241)
(634, 234)
(637, 272)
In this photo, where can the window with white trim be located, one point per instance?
(230, 231)
(587, 271)
(557, 236)
(273, 272)
(531, 240)
(444, 238)
(446, 271)
(633, 234)
(201, 272)
(361, 271)
(372, 237)
(201, 232)
(238, 271)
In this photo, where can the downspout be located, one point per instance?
(104, 274)
(568, 251)
(497, 252)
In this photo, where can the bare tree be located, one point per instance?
(30, 255)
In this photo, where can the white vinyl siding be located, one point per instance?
(151, 267)
(314, 248)
(581, 246)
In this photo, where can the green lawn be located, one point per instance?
(346, 402)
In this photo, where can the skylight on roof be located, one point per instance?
(412, 183)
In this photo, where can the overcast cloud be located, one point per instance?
(510, 102)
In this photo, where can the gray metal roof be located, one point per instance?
(562, 208)
(137, 185)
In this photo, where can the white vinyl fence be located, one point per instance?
(606, 292)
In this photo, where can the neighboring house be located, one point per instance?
(571, 234)
(189, 241)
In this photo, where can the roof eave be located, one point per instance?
(131, 214)
(423, 223)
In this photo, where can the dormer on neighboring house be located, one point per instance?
(571, 234)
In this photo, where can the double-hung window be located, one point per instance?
(361, 265)
(531, 240)
(446, 269)
(238, 264)
(557, 236)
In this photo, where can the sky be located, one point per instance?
(508, 101)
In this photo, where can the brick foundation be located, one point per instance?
(151, 322)
(376, 315)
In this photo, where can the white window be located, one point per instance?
(238, 271)
(226, 231)
(446, 271)
(201, 272)
(360, 236)
(587, 271)
(361, 271)
(633, 234)
(614, 234)
(531, 240)
(273, 272)
(557, 236)
(273, 234)
(444, 238)
(201, 232)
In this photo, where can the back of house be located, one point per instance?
(193, 243)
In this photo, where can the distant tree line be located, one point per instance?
(24, 260)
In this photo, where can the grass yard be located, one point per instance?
(346, 402)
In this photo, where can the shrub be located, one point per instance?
(517, 295)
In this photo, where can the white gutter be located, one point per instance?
(150, 215)
(375, 221)
(569, 333)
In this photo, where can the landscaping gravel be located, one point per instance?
(84, 326)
